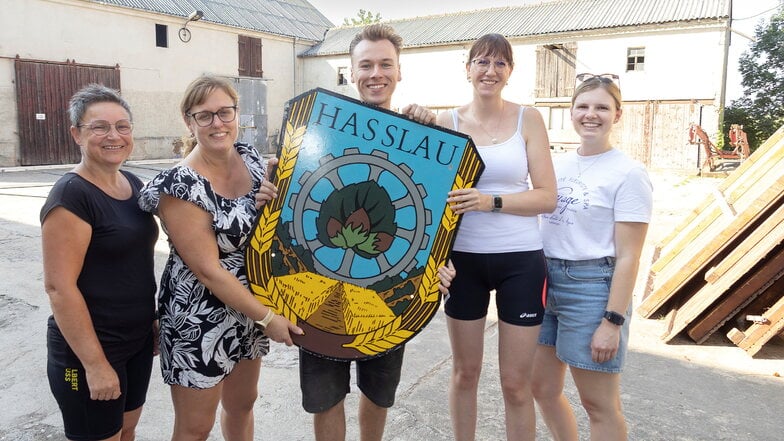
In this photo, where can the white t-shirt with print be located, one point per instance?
(594, 192)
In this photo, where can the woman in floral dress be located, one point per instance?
(213, 331)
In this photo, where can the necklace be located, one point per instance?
(580, 169)
(493, 139)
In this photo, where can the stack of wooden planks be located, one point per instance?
(725, 261)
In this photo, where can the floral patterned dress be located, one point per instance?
(201, 338)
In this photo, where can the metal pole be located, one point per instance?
(725, 64)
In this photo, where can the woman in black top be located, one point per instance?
(99, 275)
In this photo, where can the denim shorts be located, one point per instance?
(577, 293)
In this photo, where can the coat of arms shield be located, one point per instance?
(349, 250)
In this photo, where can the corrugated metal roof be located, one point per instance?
(290, 18)
(539, 19)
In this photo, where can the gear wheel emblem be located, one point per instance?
(410, 215)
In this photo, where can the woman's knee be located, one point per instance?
(239, 403)
(466, 376)
(544, 390)
(194, 428)
(599, 409)
(516, 389)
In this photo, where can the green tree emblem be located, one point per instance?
(359, 217)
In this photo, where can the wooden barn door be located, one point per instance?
(555, 70)
(42, 93)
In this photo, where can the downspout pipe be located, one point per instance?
(294, 67)
(724, 67)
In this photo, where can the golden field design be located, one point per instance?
(333, 306)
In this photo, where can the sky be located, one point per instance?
(746, 15)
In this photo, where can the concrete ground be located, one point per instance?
(678, 391)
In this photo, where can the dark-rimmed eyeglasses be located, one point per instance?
(101, 127)
(604, 78)
(205, 117)
(483, 64)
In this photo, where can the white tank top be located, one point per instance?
(506, 171)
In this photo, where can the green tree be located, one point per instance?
(363, 18)
(761, 109)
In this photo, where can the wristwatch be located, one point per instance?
(614, 318)
(498, 203)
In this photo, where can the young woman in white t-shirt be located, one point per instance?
(592, 241)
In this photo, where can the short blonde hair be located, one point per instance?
(377, 32)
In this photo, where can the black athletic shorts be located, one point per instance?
(85, 419)
(325, 382)
(519, 280)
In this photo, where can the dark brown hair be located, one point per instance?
(493, 45)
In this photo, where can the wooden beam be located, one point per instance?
(704, 245)
(767, 236)
(708, 232)
(758, 334)
(680, 229)
(770, 273)
(730, 270)
(700, 223)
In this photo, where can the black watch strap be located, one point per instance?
(614, 318)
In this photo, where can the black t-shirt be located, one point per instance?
(118, 275)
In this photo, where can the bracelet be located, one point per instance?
(267, 319)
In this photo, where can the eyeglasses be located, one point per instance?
(483, 64)
(101, 128)
(205, 117)
(606, 78)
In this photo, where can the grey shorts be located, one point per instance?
(326, 382)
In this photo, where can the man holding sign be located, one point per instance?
(375, 70)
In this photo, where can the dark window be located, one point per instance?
(635, 58)
(555, 70)
(249, 56)
(161, 35)
(343, 76)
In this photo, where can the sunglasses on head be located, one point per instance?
(604, 78)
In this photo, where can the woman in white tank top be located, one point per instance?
(498, 246)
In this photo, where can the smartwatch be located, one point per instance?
(498, 203)
(614, 318)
